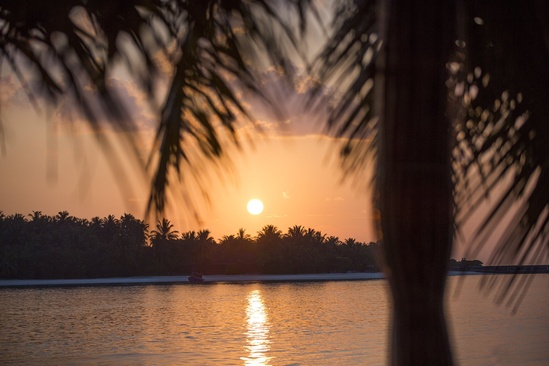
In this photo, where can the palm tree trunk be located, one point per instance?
(415, 190)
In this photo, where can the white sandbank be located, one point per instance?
(207, 279)
(184, 279)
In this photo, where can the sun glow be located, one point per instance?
(257, 335)
(255, 207)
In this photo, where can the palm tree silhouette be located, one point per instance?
(450, 102)
(296, 232)
(269, 233)
(205, 246)
(164, 232)
(242, 236)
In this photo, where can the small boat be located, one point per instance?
(196, 277)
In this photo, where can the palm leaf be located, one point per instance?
(505, 134)
(211, 45)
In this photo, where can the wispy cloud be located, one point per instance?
(12, 92)
(288, 115)
(131, 97)
(275, 216)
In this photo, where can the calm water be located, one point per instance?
(323, 323)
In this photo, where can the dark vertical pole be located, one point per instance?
(414, 175)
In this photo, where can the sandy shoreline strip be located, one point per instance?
(184, 279)
(208, 279)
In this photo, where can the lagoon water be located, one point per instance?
(310, 323)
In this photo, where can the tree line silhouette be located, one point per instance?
(39, 246)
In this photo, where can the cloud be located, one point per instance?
(306, 84)
(163, 63)
(8, 87)
(134, 101)
(12, 93)
(15, 93)
(291, 120)
(286, 195)
(275, 216)
(288, 115)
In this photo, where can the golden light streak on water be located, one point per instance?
(257, 334)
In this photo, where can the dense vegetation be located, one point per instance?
(62, 246)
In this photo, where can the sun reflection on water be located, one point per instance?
(257, 334)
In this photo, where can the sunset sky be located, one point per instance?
(52, 162)
(51, 165)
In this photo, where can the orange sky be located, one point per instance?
(52, 165)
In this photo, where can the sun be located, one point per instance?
(255, 207)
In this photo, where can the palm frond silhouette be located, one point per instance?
(450, 102)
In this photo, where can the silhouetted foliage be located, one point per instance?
(414, 70)
(63, 246)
